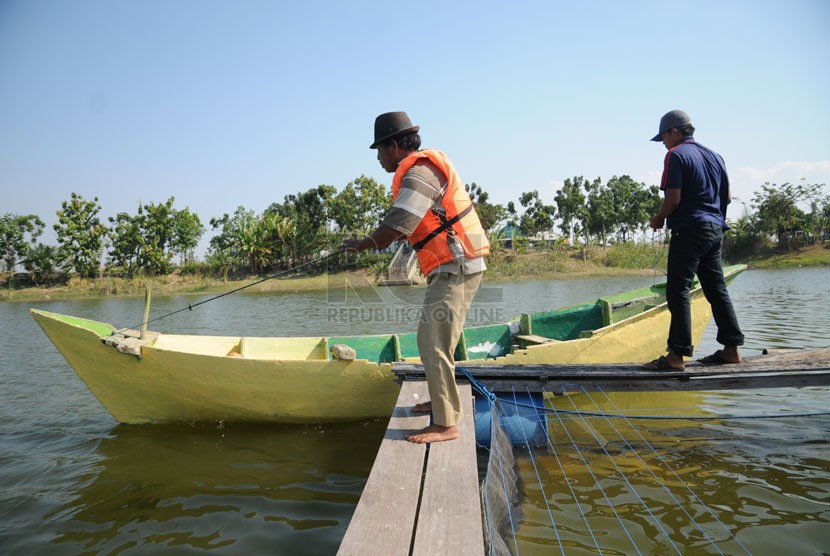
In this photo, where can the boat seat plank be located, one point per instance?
(449, 521)
(384, 519)
(218, 346)
(534, 339)
(280, 349)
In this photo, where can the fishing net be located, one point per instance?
(500, 488)
(609, 472)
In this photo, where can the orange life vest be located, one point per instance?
(431, 238)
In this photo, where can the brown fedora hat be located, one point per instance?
(391, 125)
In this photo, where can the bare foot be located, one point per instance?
(434, 433)
(424, 407)
(732, 354)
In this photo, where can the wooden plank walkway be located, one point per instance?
(449, 521)
(419, 501)
(774, 370)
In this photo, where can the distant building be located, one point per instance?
(545, 238)
(506, 235)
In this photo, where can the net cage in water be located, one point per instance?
(500, 488)
(613, 471)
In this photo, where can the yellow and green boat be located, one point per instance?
(175, 377)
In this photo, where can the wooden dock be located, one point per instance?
(774, 370)
(419, 500)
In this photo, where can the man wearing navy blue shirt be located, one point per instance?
(696, 189)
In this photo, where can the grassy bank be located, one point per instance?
(559, 263)
(776, 258)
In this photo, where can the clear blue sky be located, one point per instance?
(223, 104)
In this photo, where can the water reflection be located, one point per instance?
(210, 487)
(725, 486)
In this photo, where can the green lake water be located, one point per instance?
(73, 481)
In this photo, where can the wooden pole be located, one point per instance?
(148, 295)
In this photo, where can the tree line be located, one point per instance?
(159, 237)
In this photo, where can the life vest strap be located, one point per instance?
(445, 225)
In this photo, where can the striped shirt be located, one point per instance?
(422, 188)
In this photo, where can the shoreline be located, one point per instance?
(177, 284)
(100, 288)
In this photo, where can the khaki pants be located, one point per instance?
(446, 304)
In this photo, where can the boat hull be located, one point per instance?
(639, 338)
(164, 385)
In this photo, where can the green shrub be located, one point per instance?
(637, 255)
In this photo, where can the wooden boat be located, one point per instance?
(174, 377)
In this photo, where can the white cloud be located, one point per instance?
(787, 171)
(747, 180)
(653, 177)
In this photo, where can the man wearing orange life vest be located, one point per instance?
(433, 211)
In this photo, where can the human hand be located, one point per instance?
(656, 223)
(352, 245)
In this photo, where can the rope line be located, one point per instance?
(547, 415)
(684, 483)
(541, 409)
(568, 482)
(627, 482)
(190, 307)
(658, 253)
(509, 506)
(661, 483)
(671, 417)
(541, 486)
(597, 483)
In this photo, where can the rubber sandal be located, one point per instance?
(661, 364)
(716, 359)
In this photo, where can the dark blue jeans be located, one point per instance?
(697, 250)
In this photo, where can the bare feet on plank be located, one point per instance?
(434, 433)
